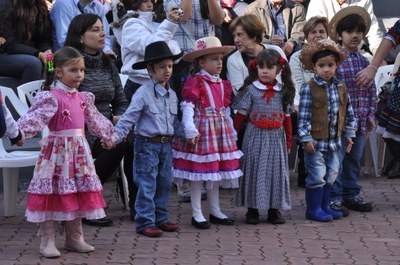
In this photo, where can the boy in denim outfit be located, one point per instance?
(153, 111)
(348, 27)
(325, 114)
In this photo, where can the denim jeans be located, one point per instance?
(26, 67)
(152, 175)
(322, 167)
(345, 186)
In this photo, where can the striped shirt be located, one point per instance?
(363, 99)
(304, 132)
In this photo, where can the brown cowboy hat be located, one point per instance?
(309, 50)
(207, 45)
(351, 10)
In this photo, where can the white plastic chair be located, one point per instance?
(383, 75)
(26, 93)
(123, 78)
(12, 161)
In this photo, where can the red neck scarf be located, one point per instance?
(270, 92)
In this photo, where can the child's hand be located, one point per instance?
(2, 40)
(349, 144)
(20, 142)
(309, 147)
(194, 140)
(173, 15)
(107, 146)
(371, 126)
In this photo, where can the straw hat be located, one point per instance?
(155, 52)
(351, 10)
(207, 45)
(309, 50)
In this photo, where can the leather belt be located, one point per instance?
(158, 139)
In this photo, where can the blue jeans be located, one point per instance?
(152, 175)
(322, 167)
(345, 186)
(23, 66)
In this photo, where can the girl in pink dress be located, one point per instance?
(211, 154)
(65, 186)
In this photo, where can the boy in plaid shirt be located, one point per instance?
(325, 115)
(348, 28)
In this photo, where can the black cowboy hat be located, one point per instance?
(155, 52)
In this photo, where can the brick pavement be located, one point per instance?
(371, 238)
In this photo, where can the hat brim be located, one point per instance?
(309, 50)
(191, 56)
(351, 10)
(143, 64)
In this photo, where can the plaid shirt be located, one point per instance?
(304, 132)
(363, 99)
(193, 29)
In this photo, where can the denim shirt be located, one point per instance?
(153, 111)
(64, 11)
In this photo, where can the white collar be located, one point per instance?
(257, 84)
(212, 78)
(60, 85)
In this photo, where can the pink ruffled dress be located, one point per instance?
(65, 185)
(215, 157)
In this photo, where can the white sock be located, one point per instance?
(213, 199)
(195, 198)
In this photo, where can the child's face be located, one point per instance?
(351, 40)
(326, 67)
(72, 74)
(162, 71)
(267, 74)
(146, 6)
(212, 63)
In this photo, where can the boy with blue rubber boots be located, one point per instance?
(325, 115)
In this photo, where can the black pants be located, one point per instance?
(107, 161)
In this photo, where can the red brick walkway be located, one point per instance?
(371, 238)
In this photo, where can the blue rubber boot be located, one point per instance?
(326, 201)
(314, 211)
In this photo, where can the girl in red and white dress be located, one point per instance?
(210, 154)
(65, 186)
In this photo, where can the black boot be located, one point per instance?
(392, 169)
(394, 172)
(252, 216)
(275, 217)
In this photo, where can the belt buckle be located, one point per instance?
(164, 139)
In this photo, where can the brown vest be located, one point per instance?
(319, 110)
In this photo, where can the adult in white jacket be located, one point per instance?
(328, 8)
(139, 31)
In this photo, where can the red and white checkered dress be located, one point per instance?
(215, 157)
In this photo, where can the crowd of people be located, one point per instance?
(292, 74)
